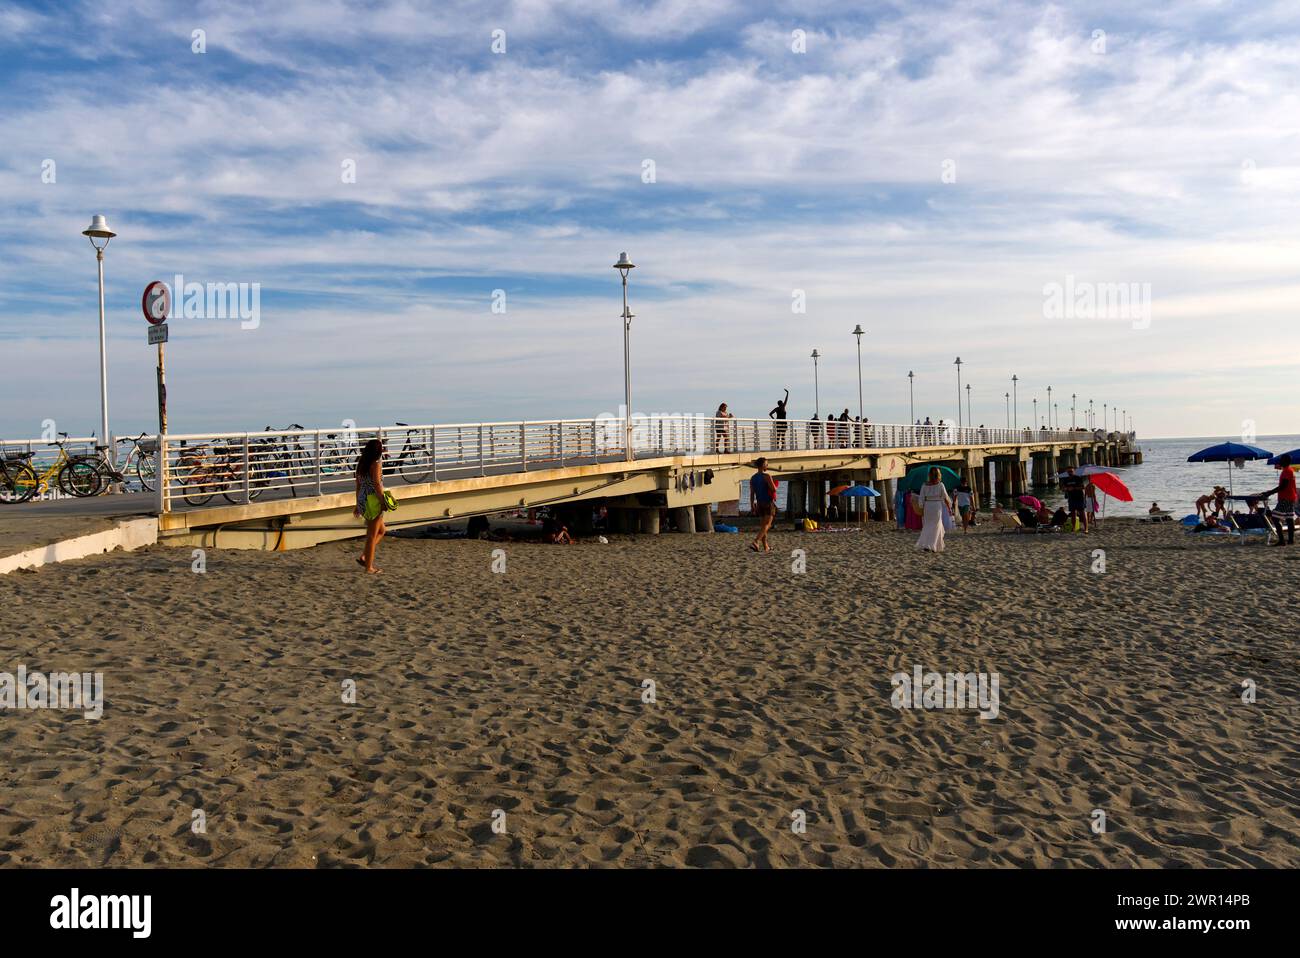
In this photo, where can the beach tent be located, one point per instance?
(1229, 452)
(915, 478)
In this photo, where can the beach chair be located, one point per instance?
(1164, 515)
(1011, 523)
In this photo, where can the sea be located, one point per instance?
(1166, 477)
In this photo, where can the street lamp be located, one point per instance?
(1008, 398)
(98, 229)
(1105, 419)
(1074, 399)
(969, 420)
(1036, 424)
(1049, 407)
(1091, 420)
(817, 402)
(911, 400)
(857, 331)
(625, 266)
(957, 363)
(1015, 402)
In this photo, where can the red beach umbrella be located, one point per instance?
(1110, 484)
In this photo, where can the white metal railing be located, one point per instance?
(241, 467)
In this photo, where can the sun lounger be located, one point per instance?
(1010, 523)
(1164, 515)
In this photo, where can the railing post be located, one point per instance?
(247, 469)
(433, 451)
(319, 464)
(482, 466)
(523, 444)
(561, 429)
(160, 476)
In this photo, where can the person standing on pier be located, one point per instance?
(934, 503)
(762, 503)
(372, 502)
(844, 428)
(779, 415)
(720, 425)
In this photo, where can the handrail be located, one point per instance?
(241, 466)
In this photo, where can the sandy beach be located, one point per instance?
(516, 698)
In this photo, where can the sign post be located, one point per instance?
(156, 304)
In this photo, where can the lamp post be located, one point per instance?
(1015, 403)
(1057, 407)
(817, 401)
(625, 266)
(98, 229)
(1036, 424)
(911, 399)
(969, 420)
(1105, 419)
(857, 331)
(1091, 421)
(957, 363)
(1074, 399)
(1008, 398)
(1049, 407)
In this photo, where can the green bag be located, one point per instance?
(372, 509)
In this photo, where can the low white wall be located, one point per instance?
(126, 535)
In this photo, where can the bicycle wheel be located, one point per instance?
(146, 470)
(18, 483)
(415, 464)
(195, 488)
(81, 477)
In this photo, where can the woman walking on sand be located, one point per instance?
(372, 503)
(934, 503)
(762, 503)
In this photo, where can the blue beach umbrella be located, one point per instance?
(1229, 452)
(859, 492)
(1294, 454)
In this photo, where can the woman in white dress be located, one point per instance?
(934, 503)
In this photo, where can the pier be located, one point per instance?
(293, 489)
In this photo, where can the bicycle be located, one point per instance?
(203, 471)
(282, 459)
(141, 459)
(20, 480)
(415, 461)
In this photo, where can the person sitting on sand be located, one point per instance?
(372, 503)
(1044, 516)
(1155, 509)
(1060, 517)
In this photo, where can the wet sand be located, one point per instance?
(517, 698)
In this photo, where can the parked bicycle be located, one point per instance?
(415, 461)
(203, 471)
(74, 475)
(141, 459)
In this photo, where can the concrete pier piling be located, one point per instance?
(704, 518)
(684, 518)
(650, 522)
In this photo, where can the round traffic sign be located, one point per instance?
(156, 302)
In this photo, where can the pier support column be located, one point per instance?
(796, 498)
(888, 489)
(620, 522)
(684, 518)
(704, 518)
(650, 521)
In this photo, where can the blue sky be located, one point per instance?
(1163, 152)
